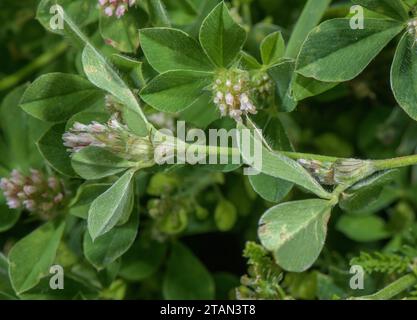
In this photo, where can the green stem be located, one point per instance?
(225, 151)
(395, 162)
(247, 15)
(393, 289)
(36, 64)
(379, 165)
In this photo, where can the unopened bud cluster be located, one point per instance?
(35, 192)
(116, 7)
(233, 94)
(112, 136)
(263, 85)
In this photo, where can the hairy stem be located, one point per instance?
(379, 165)
(393, 289)
(225, 151)
(36, 64)
(395, 162)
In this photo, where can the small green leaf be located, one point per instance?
(249, 62)
(88, 116)
(363, 228)
(98, 70)
(54, 152)
(365, 193)
(105, 249)
(201, 113)
(6, 289)
(303, 87)
(114, 204)
(101, 74)
(333, 52)
(403, 80)
(295, 232)
(225, 215)
(390, 8)
(86, 194)
(32, 256)
(270, 188)
(272, 48)
(157, 13)
(171, 49)
(277, 165)
(283, 75)
(142, 260)
(20, 131)
(221, 37)
(122, 33)
(175, 91)
(186, 278)
(96, 163)
(312, 14)
(55, 97)
(79, 9)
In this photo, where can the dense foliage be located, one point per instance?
(327, 88)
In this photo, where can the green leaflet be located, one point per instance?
(86, 194)
(201, 113)
(174, 91)
(32, 256)
(390, 8)
(157, 13)
(96, 163)
(20, 131)
(403, 75)
(80, 10)
(366, 193)
(270, 188)
(312, 13)
(279, 166)
(363, 228)
(186, 278)
(169, 49)
(143, 259)
(55, 97)
(303, 87)
(221, 37)
(6, 289)
(272, 48)
(122, 33)
(105, 249)
(249, 62)
(283, 75)
(100, 72)
(54, 152)
(295, 232)
(112, 206)
(333, 45)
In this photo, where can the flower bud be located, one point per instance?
(232, 94)
(114, 137)
(35, 192)
(117, 7)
